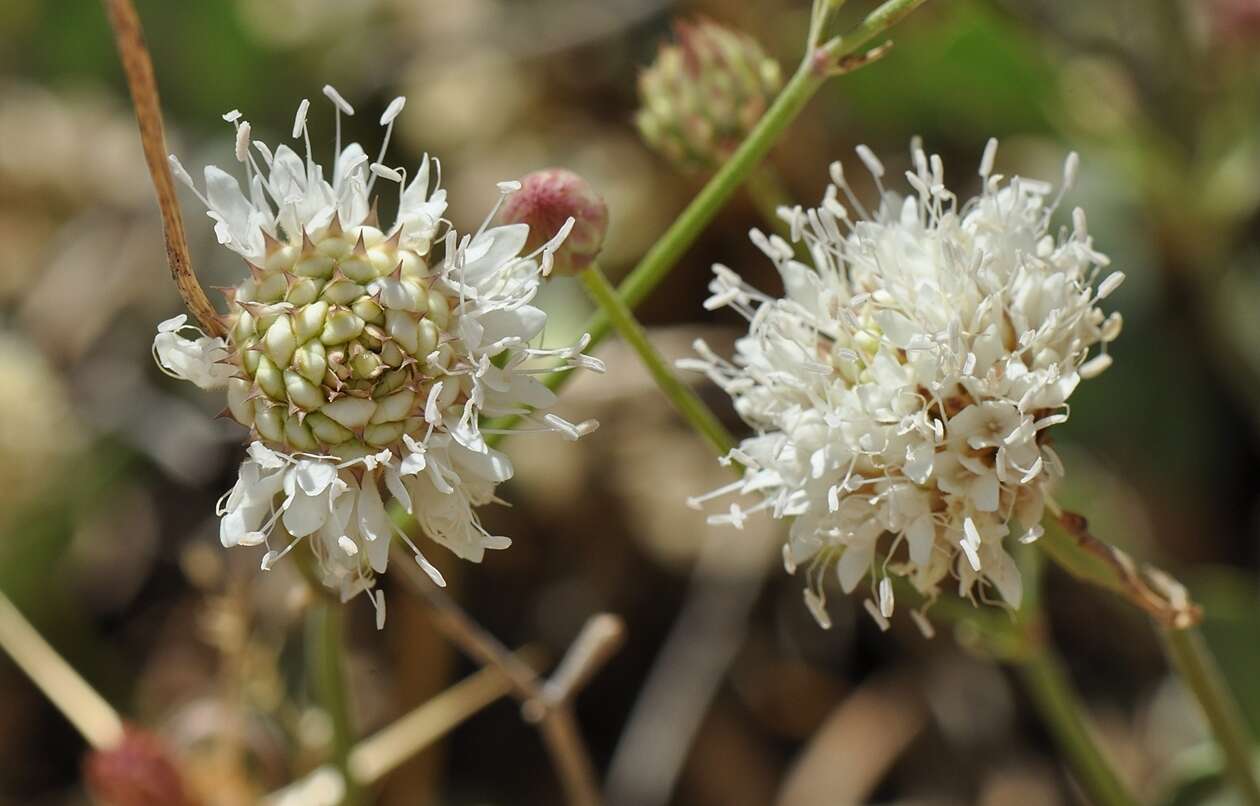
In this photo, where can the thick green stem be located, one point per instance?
(1199, 671)
(326, 665)
(688, 403)
(667, 251)
(1051, 692)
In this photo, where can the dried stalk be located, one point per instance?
(1072, 547)
(138, 67)
(547, 705)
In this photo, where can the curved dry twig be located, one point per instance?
(138, 67)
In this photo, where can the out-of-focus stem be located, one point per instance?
(1198, 669)
(138, 67)
(381, 753)
(1069, 543)
(94, 718)
(326, 665)
(1021, 640)
(1047, 684)
(685, 400)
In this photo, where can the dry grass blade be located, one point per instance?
(87, 710)
(882, 718)
(138, 68)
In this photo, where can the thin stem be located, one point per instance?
(685, 400)
(1047, 684)
(1068, 542)
(1199, 671)
(1021, 640)
(671, 246)
(326, 664)
(138, 67)
(89, 712)
(377, 755)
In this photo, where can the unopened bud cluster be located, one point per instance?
(339, 340)
(704, 93)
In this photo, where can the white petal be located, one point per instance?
(393, 482)
(314, 476)
(306, 514)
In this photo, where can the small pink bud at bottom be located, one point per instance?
(138, 772)
(1234, 22)
(549, 198)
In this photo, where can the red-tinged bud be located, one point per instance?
(138, 772)
(1234, 22)
(549, 198)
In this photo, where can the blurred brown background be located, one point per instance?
(109, 472)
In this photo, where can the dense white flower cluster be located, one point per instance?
(358, 360)
(902, 389)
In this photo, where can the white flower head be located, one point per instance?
(902, 388)
(361, 361)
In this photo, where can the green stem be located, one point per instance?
(1199, 671)
(325, 664)
(1051, 692)
(688, 403)
(1021, 640)
(1068, 542)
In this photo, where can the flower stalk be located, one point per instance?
(326, 665)
(1021, 641)
(1199, 671)
(1069, 543)
(684, 399)
(1048, 687)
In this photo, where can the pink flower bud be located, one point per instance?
(138, 772)
(549, 198)
(1234, 22)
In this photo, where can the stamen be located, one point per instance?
(387, 120)
(990, 154)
